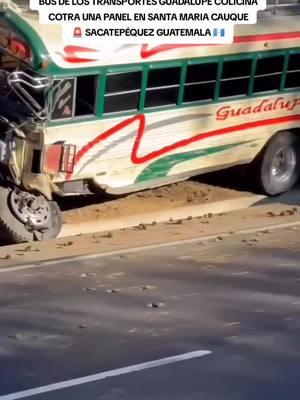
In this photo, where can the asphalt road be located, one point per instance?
(237, 298)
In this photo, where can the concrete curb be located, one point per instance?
(161, 216)
(128, 250)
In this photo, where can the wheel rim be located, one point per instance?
(283, 164)
(29, 209)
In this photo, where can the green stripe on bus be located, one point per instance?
(161, 167)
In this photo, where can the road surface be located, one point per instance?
(227, 310)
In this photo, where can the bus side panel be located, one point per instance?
(121, 153)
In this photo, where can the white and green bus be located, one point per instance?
(125, 118)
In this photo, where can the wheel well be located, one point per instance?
(258, 156)
(259, 167)
(295, 131)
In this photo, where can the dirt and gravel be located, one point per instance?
(91, 208)
(219, 226)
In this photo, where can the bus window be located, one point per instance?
(162, 87)
(200, 82)
(235, 78)
(268, 74)
(86, 93)
(74, 97)
(122, 92)
(293, 72)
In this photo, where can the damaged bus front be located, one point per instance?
(27, 211)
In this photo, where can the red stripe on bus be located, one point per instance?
(146, 52)
(182, 143)
(71, 57)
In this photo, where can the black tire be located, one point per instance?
(269, 182)
(13, 231)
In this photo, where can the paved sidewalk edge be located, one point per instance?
(160, 216)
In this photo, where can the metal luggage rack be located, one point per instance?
(21, 83)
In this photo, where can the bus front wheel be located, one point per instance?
(276, 169)
(25, 217)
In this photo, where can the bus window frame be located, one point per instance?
(185, 83)
(183, 64)
(278, 53)
(112, 72)
(73, 117)
(160, 66)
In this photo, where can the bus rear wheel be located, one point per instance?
(26, 217)
(277, 167)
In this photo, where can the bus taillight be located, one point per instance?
(59, 158)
